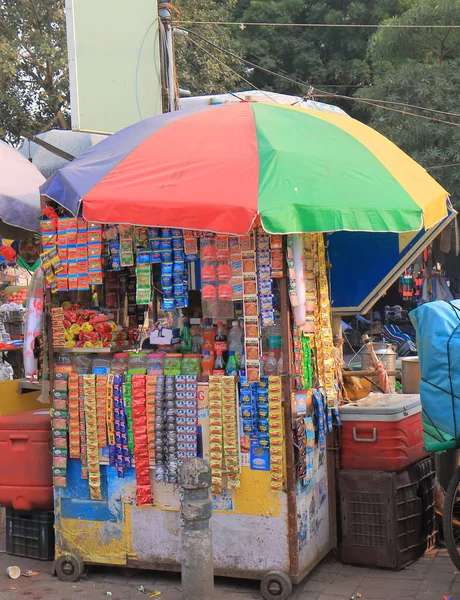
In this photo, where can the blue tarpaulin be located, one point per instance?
(438, 341)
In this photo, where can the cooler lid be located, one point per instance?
(32, 419)
(383, 405)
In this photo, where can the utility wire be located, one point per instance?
(230, 69)
(326, 93)
(311, 91)
(402, 112)
(243, 25)
(442, 166)
(393, 102)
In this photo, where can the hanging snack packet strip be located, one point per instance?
(230, 432)
(275, 418)
(82, 427)
(94, 475)
(118, 413)
(160, 416)
(74, 430)
(60, 427)
(101, 403)
(264, 279)
(187, 417)
(311, 275)
(236, 265)
(110, 423)
(215, 433)
(141, 446)
(150, 390)
(325, 328)
(128, 411)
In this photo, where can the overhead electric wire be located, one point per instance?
(243, 25)
(442, 166)
(394, 102)
(232, 70)
(312, 89)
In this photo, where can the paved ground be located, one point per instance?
(431, 578)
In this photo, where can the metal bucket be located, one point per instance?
(385, 354)
(410, 375)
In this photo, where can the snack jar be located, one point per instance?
(191, 364)
(63, 364)
(120, 363)
(173, 364)
(101, 365)
(155, 363)
(137, 363)
(82, 364)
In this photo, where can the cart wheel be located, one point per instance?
(451, 519)
(275, 586)
(69, 567)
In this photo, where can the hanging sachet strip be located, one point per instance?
(141, 446)
(230, 432)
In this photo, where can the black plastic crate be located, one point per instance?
(387, 519)
(30, 533)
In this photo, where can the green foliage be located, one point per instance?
(33, 57)
(197, 70)
(420, 67)
(318, 56)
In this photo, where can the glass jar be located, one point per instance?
(101, 365)
(63, 364)
(119, 364)
(155, 363)
(173, 364)
(191, 364)
(82, 364)
(137, 363)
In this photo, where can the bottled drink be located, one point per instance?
(235, 340)
(186, 339)
(280, 366)
(197, 341)
(271, 365)
(221, 339)
(219, 364)
(207, 363)
(209, 335)
(232, 366)
(242, 365)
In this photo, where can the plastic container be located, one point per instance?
(30, 534)
(101, 365)
(270, 365)
(63, 363)
(173, 364)
(137, 363)
(191, 364)
(387, 519)
(155, 363)
(82, 364)
(410, 375)
(26, 473)
(382, 431)
(119, 364)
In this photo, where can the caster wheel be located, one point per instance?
(69, 567)
(275, 586)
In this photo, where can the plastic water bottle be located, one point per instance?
(235, 340)
(231, 368)
(271, 365)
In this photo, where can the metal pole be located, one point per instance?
(165, 16)
(196, 542)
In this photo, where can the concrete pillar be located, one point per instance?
(196, 542)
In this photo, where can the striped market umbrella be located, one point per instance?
(217, 168)
(19, 194)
